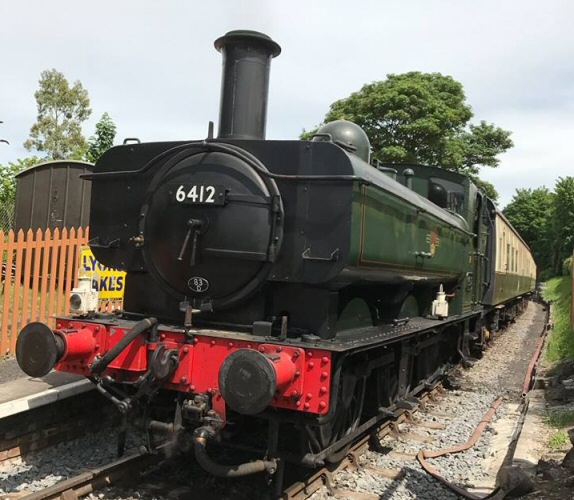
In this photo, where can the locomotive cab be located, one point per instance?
(448, 190)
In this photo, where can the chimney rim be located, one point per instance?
(247, 35)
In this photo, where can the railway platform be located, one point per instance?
(20, 393)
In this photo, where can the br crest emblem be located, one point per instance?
(433, 241)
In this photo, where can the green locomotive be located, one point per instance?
(291, 282)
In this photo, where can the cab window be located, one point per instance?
(446, 194)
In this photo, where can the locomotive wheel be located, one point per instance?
(346, 420)
(482, 337)
(355, 314)
(389, 385)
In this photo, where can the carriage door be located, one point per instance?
(479, 254)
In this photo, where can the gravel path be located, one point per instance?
(503, 367)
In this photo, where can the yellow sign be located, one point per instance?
(109, 283)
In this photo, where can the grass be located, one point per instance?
(561, 339)
(561, 419)
(559, 440)
(560, 353)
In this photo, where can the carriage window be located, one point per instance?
(446, 194)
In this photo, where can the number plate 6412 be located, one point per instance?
(199, 194)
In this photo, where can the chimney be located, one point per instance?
(245, 83)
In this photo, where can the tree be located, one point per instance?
(8, 177)
(562, 218)
(8, 188)
(487, 187)
(422, 118)
(530, 212)
(61, 111)
(103, 140)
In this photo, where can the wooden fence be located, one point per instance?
(38, 272)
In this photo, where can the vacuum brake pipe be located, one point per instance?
(99, 365)
(424, 454)
(201, 436)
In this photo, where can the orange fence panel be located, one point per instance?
(20, 245)
(7, 259)
(38, 273)
(26, 295)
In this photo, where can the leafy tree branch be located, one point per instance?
(61, 111)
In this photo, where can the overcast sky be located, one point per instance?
(152, 66)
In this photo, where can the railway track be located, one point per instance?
(419, 431)
(415, 426)
(95, 479)
(404, 427)
(301, 490)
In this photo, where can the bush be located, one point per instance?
(6, 216)
(546, 274)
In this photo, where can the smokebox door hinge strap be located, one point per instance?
(334, 257)
(97, 243)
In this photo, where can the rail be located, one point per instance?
(94, 479)
(302, 490)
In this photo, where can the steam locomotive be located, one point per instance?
(288, 291)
